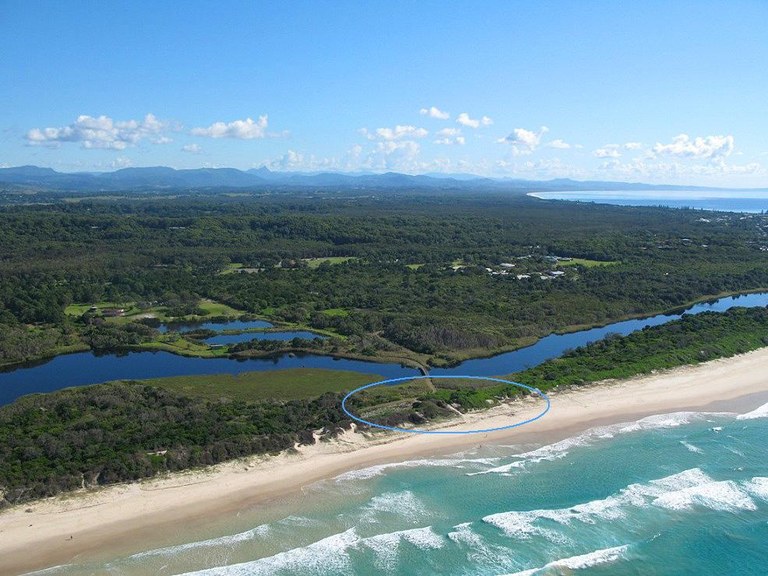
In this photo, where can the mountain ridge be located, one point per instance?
(164, 177)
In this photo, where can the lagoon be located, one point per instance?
(87, 368)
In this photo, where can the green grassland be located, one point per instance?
(336, 312)
(209, 308)
(316, 262)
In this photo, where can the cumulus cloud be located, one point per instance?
(239, 129)
(707, 147)
(449, 132)
(559, 144)
(524, 141)
(449, 137)
(434, 112)
(399, 132)
(102, 132)
(677, 170)
(192, 148)
(465, 120)
(121, 162)
(608, 151)
(633, 146)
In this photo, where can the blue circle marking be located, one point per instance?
(394, 381)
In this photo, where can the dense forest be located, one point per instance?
(422, 278)
(434, 277)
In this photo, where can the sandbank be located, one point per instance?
(122, 518)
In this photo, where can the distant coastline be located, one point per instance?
(742, 201)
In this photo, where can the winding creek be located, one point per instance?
(87, 368)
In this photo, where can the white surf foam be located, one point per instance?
(404, 504)
(387, 546)
(761, 412)
(691, 447)
(675, 492)
(522, 525)
(725, 496)
(549, 452)
(329, 555)
(590, 560)
(372, 471)
(51, 570)
(562, 448)
(661, 421)
(477, 549)
(758, 487)
(301, 521)
(230, 540)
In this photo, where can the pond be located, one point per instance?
(217, 326)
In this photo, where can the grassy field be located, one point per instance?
(290, 384)
(218, 309)
(336, 312)
(80, 309)
(315, 262)
(209, 307)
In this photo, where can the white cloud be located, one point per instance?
(685, 171)
(192, 148)
(460, 140)
(240, 129)
(633, 146)
(449, 137)
(701, 147)
(538, 169)
(608, 151)
(102, 132)
(400, 132)
(449, 132)
(291, 160)
(434, 112)
(559, 144)
(465, 120)
(524, 141)
(121, 162)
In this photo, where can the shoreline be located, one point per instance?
(120, 518)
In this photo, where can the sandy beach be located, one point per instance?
(58, 530)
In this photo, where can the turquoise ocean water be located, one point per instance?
(683, 493)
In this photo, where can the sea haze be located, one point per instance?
(747, 201)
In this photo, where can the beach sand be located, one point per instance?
(121, 518)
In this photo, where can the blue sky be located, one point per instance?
(668, 91)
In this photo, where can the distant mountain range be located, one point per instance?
(163, 178)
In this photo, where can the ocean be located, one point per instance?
(682, 493)
(746, 201)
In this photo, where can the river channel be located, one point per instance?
(88, 368)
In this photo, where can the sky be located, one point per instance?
(646, 91)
